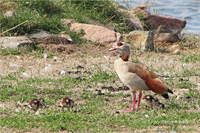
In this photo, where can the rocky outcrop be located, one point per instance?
(174, 24)
(163, 34)
(14, 42)
(96, 33)
(154, 21)
(141, 39)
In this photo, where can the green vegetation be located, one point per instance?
(191, 58)
(47, 14)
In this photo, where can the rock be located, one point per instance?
(14, 42)
(174, 24)
(167, 37)
(163, 29)
(141, 39)
(164, 34)
(177, 51)
(96, 33)
(154, 21)
(94, 22)
(40, 34)
(9, 14)
(132, 19)
(67, 22)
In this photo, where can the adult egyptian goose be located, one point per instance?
(137, 76)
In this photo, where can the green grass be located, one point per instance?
(93, 115)
(191, 58)
(46, 15)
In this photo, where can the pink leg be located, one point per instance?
(133, 108)
(139, 99)
(134, 97)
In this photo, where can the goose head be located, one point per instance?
(124, 48)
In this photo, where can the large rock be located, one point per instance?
(96, 33)
(154, 21)
(14, 42)
(163, 34)
(141, 39)
(174, 24)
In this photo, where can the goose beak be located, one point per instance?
(113, 48)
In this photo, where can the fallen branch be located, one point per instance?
(14, 27)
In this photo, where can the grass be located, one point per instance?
(191, 58)
(46, 15)
(91, 113)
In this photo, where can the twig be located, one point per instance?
(14, 27)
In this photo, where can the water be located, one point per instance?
(188, 10)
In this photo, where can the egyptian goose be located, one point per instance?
(137, 76)
(152, 102)
(66, 103)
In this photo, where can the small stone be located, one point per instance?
(62, 72)
(198, 84)
(177, 51)
(197, 106)
(44, 55)
(9, 14)
(106, 57)
(18, 57)
(37, 113)
(1, 106)
(147, 116)
(16, 110)
(25, 75)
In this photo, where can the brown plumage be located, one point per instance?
(34, 104)
(66, 103)
(152, 102)
(136, 75)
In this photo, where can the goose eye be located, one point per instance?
(119, 44)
